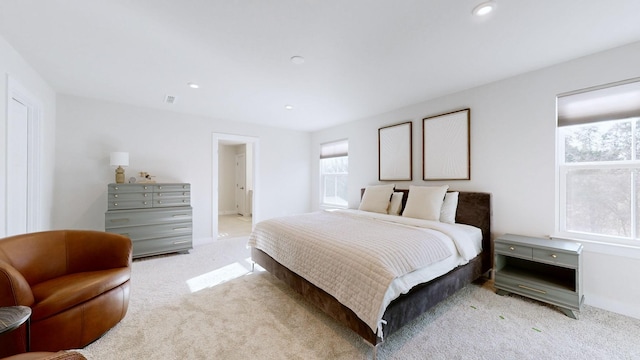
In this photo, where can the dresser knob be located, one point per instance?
(115, 204)
(511, 248)
(159, 194)
(145, 203)
(116, 188)
(554, 256)
(116, 195)
(145, 195)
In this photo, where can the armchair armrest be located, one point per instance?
(14, 288)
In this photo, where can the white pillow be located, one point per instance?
(449, 207)
(425, 202)
(396, 203)
(376, 198)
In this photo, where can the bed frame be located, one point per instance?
(473, 209)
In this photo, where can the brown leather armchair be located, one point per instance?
(75, 281)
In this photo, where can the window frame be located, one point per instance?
(585, 118)
(332, 150)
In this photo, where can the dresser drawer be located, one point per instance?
(162, 245)
(137, 233)
(126, 218)
(555, 257)
(513, 250)
(128, 188)
(171, 187)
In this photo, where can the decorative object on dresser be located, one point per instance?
(541, 269)
(446, 150)
(156, 217)
(119, 159)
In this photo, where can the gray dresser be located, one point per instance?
(542, 269)
(156, 217)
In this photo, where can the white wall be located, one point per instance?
(512, 156)
(171, 146)
(13, 65)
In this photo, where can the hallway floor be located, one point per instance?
(230, 226)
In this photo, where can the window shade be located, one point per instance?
(612, 102)
(334, 149)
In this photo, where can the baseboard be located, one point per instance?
(632, 310)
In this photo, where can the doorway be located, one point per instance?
(220, 193)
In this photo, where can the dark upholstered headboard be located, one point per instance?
(474, 208)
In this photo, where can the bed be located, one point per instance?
(473, 208)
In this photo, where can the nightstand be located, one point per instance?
(541, 269)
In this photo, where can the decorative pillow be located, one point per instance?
(396, 203)
(376, 198)
(425, 202)
(449, 207)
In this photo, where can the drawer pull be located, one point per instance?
(180, 242)
(554, 256)
(159, 201)
(511, 248)
(159, 194)
(532, 289)
(145, 195)
(145, 188)
(119, 220)
(116, 188)
(180, 228)
(144, 202)
(116, 195)
(115, 204)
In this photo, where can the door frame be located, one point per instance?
(217, 138)
(16, 91)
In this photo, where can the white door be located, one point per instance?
(17, 168)
(241, 184)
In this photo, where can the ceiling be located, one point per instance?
(362, 57)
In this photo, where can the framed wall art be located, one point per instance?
(445, 143)
(395, 152)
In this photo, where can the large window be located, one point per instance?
(334, 171)
(599, 163)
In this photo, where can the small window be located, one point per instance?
(599, 163)
(334, 172)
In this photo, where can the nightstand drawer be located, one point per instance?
(513, 250)
(555, 257)
(538, 291)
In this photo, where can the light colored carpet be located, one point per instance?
(206, 305)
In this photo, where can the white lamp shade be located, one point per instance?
(119, 159)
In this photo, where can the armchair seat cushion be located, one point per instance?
(62, 293)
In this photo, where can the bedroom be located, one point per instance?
(513, 154)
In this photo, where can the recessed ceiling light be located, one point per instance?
(484, 8)
(297, 60)
(193, 85)
(288, 107)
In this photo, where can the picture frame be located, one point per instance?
(446, 150)
(395, 152)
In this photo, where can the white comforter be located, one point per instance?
(357, 257)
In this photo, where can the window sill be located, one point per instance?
(607, 248)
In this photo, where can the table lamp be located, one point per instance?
(119, 159)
